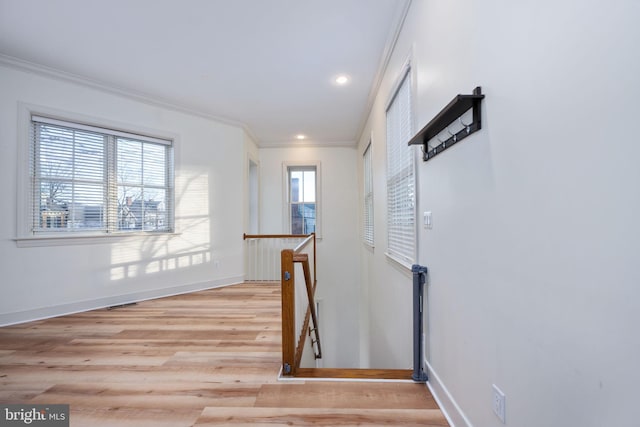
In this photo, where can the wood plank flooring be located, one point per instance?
(372, 374)
(209, 358)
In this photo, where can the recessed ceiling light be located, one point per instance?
(342, 79)
(301, 136)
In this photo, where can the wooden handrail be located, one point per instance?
(246, 236)
(292, 353)
(310, 313)
(301, 341)
(311, 290)
(304, 243)
(262, 254)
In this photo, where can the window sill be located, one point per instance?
(405, 264)
(83, 239)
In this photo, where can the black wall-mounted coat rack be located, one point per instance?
(449, 114)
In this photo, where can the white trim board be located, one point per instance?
(449, 407)
(7, 319)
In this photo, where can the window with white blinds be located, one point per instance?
(92, 179)
(367, 232)
(400, 176)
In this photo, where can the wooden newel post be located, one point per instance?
(287, 281)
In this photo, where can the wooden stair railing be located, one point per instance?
(311, 310)
(292, 349)
(293, 341)
(262, 254)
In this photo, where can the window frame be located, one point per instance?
(25, 235)
(286, 167)
(404, 256)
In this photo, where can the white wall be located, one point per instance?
(337, 257)
(252, 156)
(533, 254)
(45, 281)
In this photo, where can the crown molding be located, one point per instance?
(42, 70)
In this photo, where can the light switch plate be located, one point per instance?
(428, 220)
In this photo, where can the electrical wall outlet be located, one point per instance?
(499, 403)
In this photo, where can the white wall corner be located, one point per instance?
(449, 407)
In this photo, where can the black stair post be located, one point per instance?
(419, 273)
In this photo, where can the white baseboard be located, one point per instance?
(454, 414)
(7, 319)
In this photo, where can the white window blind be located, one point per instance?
(92, 179)
(367, 232)
(400, 176)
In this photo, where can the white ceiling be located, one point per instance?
(267, 65)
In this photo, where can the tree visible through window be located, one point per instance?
(141, 174)
(93, 179)
(302, 199)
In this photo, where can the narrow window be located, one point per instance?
(303, 201)
(400, 175)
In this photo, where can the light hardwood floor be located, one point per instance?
(209, 358)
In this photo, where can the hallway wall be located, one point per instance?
(207, 249)
(338, 278)
(533, 253)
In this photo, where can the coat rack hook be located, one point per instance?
(455, 138)
(467, 126)
(443, 142)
